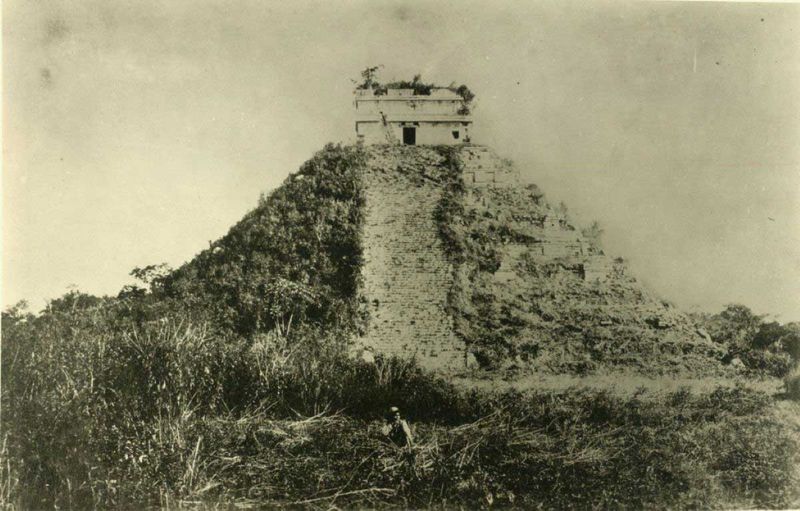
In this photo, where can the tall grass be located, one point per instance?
(84, 406)
(792, 384)
(8, 478)
(171, 411)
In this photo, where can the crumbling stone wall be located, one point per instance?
(544, 234)
(406, 277)
(482, 167)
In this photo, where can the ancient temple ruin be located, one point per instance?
(399, 116)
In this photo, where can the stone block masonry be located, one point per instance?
(482, 167)
(406, 277)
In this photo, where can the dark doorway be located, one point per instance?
(409, 136)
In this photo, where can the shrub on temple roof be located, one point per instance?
(420, 88)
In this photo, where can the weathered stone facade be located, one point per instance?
(482, 167)
(406, 277)
(548, 234)
(402, 117)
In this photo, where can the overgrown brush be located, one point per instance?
(76, 395)
(568, 450)
(301, 245)
(229, 380)
(176, 412)
(792, 383)
(102, 417)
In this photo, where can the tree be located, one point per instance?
(369, 75)
(17, 313)
(771, 348)
(777, 337)
(152, 274)
(736, 325)
(73, 301)
(593, 233)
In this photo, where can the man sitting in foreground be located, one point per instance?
(397, 430)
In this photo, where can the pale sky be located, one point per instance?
(136, 132)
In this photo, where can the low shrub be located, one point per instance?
(792, 384)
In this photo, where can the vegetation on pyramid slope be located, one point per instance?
(294, 259)
(225, 383)
(544, 314)
(515, 309)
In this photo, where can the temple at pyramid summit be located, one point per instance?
(404, 116)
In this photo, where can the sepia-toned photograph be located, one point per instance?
(417, 254)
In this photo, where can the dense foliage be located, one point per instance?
(227, 380)
(175, 411)
(89, 374)
(552, 318)
(762, 347)
(293, 259)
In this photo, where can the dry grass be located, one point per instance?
(174, 415)
(573, 449)
(8, 478)
(620, 384)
